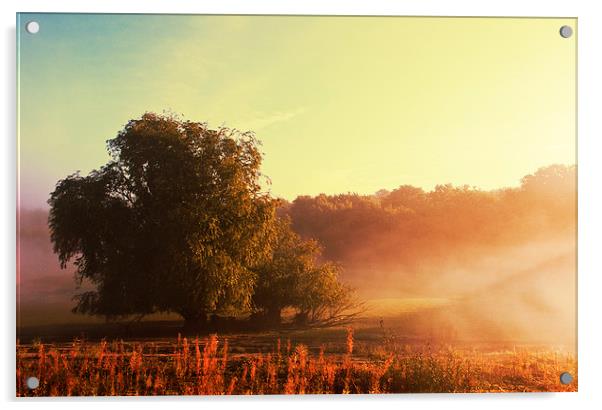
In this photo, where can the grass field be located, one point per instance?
(304, 362)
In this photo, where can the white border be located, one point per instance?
(590, 203)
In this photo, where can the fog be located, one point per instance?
(523, 293)
(454, 264)
(44, 290)
(498, 265)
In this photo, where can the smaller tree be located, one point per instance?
(293, 277)
(322, 300)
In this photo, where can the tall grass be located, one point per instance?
(204, 367)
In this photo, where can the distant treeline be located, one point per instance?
(408, 226)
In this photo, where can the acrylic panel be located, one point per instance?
(216, 205)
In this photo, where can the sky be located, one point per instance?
(341, 104)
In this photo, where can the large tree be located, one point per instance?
(172, 223)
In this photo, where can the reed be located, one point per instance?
(205, 367)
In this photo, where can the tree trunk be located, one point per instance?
(194, 321)
(273, 316)
(302, 319)
(266, 318)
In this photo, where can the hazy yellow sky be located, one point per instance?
(340, 103)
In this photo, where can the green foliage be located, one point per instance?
(294, 277)
(172, 223)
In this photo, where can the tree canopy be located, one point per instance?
(407, 229)
(295, 277)
(172, 223)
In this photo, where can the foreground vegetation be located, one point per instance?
(208, 366)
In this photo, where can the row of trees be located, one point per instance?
(404, 229)
(176, 221)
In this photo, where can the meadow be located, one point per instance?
(323, 361)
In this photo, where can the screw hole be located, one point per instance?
(32, 382)
(566, 31)
(32, 27)
(566, 378)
